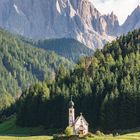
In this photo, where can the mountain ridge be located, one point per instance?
(132, 22)
(69, 18)
(71, 49)
(77, 19)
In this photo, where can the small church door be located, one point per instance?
(81, 130)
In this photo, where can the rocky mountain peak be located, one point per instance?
(138, 8)
(136, 11)
(132, 22)
(112, 24)
(78, 19)
(113, 17)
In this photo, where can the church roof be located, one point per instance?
(76, 119)
(79, 117)
(71, 104)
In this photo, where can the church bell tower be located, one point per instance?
(71, 113)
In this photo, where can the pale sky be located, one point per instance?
(122, 8)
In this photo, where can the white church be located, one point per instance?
(80, 125)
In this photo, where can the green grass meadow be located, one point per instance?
(131, 136)
(9, 127)
(10, 131)
(25, 138)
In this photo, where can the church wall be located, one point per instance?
(78, 124)
(71, 116)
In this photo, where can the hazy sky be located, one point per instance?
(122, 8)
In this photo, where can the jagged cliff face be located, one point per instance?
(39, 19)
(112, 24)
(78, 19)
(132, 22)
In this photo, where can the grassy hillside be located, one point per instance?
(10, 131)
(21, 65)
(25, 138)
(131, 136)
(9, 127)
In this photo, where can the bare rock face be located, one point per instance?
(112, 24)
(40, 19)
(78, 19)
(132, 22)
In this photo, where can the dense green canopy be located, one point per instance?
(22, 65)
(66, 47)
(105, 87)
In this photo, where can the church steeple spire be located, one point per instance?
(71, 103)
(71, 112)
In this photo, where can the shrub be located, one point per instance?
(69, 131)
(99, 133)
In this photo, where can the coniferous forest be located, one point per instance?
(66, 47)
(22, 65)
(105, 87)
